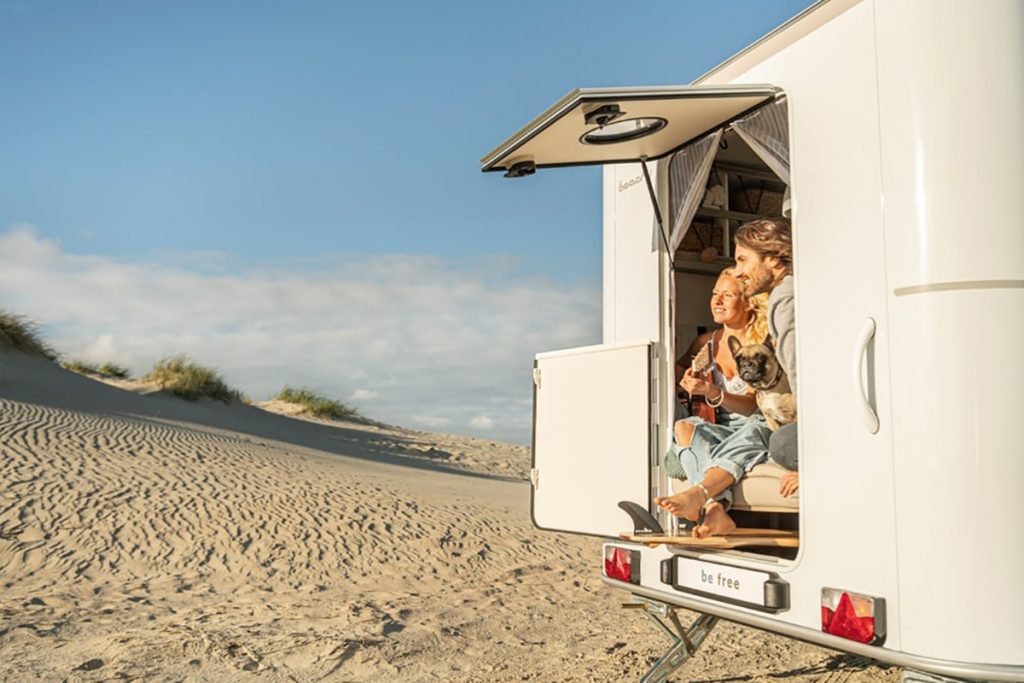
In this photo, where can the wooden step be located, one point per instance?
(738, 538)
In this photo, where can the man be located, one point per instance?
(764, 263)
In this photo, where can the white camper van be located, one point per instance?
(893, 132)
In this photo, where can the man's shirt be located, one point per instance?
(782, 327)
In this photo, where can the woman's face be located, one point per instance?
(728, 304)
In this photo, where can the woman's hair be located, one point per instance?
(768, 237)
(756, 330)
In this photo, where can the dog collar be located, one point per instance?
(778, 378)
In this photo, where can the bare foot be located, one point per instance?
(717, 522)
(789, 484)
(685, 504)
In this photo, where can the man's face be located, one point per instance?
(754, 272)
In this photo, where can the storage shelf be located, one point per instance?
(749, 173)
(729, 215)
(687, 262)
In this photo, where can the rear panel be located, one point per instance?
(846, 497)
(848, 539)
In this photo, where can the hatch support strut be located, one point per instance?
(654, 203)
(685, 640)
(657, 210)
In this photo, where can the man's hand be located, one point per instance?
(789, 484)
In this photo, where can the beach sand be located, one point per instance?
(143, 537)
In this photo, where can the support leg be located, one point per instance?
(685, 640)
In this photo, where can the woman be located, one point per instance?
(714, 456)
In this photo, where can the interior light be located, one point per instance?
(621, 131)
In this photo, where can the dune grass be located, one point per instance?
(189, 380)
(115, 371)
(316, 404)
(110, 370)
(24, 335)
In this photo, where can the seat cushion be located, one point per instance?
(759, 491)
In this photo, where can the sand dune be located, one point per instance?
(148, 538)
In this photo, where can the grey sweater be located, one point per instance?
(782, 327)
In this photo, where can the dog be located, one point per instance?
(758, 367)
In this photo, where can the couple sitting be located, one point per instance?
(713, 456)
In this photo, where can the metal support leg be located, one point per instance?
(685, 641)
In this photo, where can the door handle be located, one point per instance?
(867, 413)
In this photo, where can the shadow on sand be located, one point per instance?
(836, 664)
(30, 379)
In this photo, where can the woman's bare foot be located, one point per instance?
(685, 504)
(717, 522)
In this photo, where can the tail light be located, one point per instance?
(622, 564)
(853, 616)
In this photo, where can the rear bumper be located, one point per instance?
(989, 672)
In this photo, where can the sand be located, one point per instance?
(143, 537)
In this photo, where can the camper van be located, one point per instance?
(891, 132)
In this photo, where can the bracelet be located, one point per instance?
(706, 492)
(721, 397)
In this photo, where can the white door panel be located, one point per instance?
(591, 443)
(631, 256)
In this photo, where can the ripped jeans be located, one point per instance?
(735, 447)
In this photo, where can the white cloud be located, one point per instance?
(364, 395)
(432, 421)
(450, 342)
(482, 422)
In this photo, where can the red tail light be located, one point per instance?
(852, 616)
(622, 564)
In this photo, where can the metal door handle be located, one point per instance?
(867, 413)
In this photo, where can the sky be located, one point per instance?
(290, 192)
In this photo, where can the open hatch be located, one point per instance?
(616, 125)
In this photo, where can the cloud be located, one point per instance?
(482, 422)
(427, 341)
(364, 395)
(432, 421)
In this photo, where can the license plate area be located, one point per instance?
(758, 590)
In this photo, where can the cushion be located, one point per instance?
(759, 491)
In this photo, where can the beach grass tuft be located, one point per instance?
(182, 377)
(110, 370)
(316, 404)
(115, 371)
(24, 335)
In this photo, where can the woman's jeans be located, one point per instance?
(734, 447)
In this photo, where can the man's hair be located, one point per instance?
(768, 237)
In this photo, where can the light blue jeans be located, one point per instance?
(735, 447)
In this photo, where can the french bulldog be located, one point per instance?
(759, 368)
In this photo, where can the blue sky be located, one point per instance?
(274, 141)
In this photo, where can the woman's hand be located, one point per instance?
(698, 386)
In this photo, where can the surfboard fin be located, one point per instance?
(644, 522)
